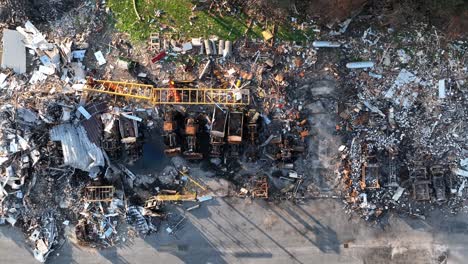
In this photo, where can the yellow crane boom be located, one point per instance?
(176, 197)
(185, 96)
(160, 198)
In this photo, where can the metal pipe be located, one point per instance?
(213, 46)
(208, 47)
(227, 48)
(326, 44)
(360, 64)
(202, 47)
(221, 47)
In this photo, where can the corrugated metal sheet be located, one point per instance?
(96, 108)
(93, 126)
(78, 151)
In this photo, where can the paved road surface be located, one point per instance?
(241, 231)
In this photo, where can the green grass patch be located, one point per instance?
(175, 18)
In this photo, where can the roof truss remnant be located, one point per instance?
(99, 193)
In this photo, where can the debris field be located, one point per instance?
(366, 114)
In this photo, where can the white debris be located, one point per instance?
(23, 143)
(11, 220)
(2, 80)
(363, 198)
(35, 156)
(293, 174)
(373, 109)
(193, 207)
(442, 94)
(37, 77)
(204, 198)
(35, 235)
(3, 159)
(360, 65)
(108, 120)
(46, 70)
(326, 44)
(100, 58)
(13, 146)
(402, 56)
(186, 46)
(398, 193)
(196, 41)
(343, 28)
(79, 72)
(370, 37)
(460, 189)
(10, 172)
(33, 35)
(40, 251)
(122, 64)
(404, 77)
(227, 49)
(136, 118)
(66, 50)
(14, 51)
(85, 113)
(79, 54)
(78, 86)
(238, 95)
(464, 162)
(45, 60)
(205, 69)
(375, 75)
(66, 114)
(461, 172)
(231, 71)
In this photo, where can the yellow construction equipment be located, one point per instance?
(170, 95)
(176, 197)
(158, 199)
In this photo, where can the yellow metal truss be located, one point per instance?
(176, 197)
(158, 199)
(99, 193)
(185, 96)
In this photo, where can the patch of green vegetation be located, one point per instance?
(176, 18)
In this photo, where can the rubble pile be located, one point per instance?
(12, 12)
(17, 12)
(51, 147)
(407, 123)
(98, 224)
(44, 236)
(378, 119)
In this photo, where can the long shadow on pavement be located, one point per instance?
(189, 243)
(234, 209)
